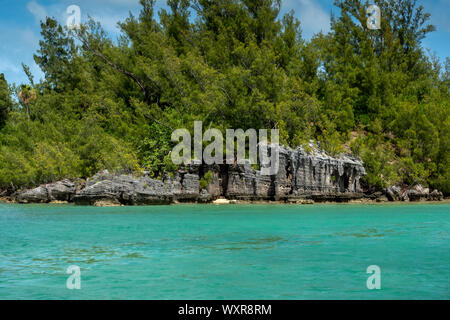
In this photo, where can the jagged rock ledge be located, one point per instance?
(417, 193)
(303, 177)
(61, 191)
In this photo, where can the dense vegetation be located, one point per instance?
(232, 64)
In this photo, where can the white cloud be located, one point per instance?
(37, 10)
(312, 16)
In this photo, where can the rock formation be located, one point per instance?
(303, 177)
(58, 191)
(124, 189)
(416, 193)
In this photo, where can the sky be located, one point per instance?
(20, 29)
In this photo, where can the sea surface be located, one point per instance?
(225, 252)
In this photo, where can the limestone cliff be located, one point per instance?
(302, 175)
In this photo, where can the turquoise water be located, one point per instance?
(225, 252)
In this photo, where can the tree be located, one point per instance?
(6, 103)
(27, 95)
(55, 56)
(232, 64)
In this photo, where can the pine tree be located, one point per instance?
(6, 103)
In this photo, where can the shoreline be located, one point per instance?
(238, 184)
(303, 178)
(227, 202)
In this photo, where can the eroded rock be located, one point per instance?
(313, 174)
(61, 190)
(36, 195)
(124, 189)
(303, 177)
(416, 193)
(53, 192)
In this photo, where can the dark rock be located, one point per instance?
(414, 195)
(377, 194)
(302, 176)
(36, 195)
(126, 189)
(418, 193)
(104, 187)
(190, 188)
(314, 174)
(436, 196)
(404, 196)
(393, 193)
(215, 187)
(194, 167)
(61, 190)
(204, 197)
(390, 195)
(382, 199)
(58, 191)
(173, 183)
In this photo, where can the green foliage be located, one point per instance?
(6, 103)
(206, 180)
(238, 64)
(55, 55)
(379, 160)
(154, 150)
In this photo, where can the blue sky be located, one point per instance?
(20, 30)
